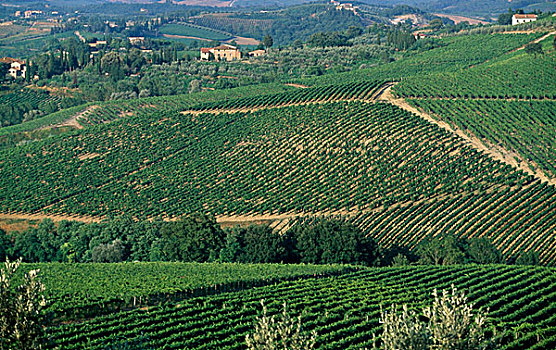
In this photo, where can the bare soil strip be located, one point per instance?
(73, 120)
(185, 37)
(459, 19)
(297, 85)
(53, 217)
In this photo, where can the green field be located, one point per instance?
(343, 310)
(88, 289)
(193, 31)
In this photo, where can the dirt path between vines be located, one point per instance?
(72, 121)
(535, 41)
(53, 217)
(496, 152)
(297, 85)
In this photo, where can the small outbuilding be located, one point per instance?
(523, 18)
(257, 53)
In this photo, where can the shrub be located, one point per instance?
(449, 324)
(279, 333)
(20, 309)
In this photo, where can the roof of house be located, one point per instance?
(258, 51)
(11, 60)
(225, 47)
(527, 15)
(205, 49)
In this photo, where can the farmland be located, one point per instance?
(323, 139)
(76, 290)
(343, 310)
(191, 31)
(402, 150)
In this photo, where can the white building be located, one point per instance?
(525, 18)
(18, 68)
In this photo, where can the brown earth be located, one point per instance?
(240, 40)
(72, 121)
(213, 3)
(185, 37)
(459, 19)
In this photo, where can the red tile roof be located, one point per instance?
(10, 60)
(528, 15)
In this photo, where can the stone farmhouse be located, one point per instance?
(257, 53)
(223, 52)
(18, 68)
(523, 18)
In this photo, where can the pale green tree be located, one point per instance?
(20, 309)
(450, 323)
(281, 332)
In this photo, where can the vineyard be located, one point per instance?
(343, 310)
(104, 112)
(452, 54)
(233, 24)
(76, 290)
(309, 160)
(14, 105)
(529, 128)
(184, 29)
(332, 151)
(289, 153)
(519, 76)
(340, 92)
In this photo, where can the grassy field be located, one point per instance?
(193, 31)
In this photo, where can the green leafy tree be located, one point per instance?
(4, 68)
(194, 238)
(21, 319)
(109, 253)
(436, 24)
(505, 18)
(528, 258)
(268, 41)
(256, 244)
(534, 49)
(334, 241)
(194, 86)
(445, 251)
(6, 245)
(482, 251)
(282, 332)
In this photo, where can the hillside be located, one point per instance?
(343, 310)
(329, 149)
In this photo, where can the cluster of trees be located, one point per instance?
(194, 238)
(328, 39)
(198, 238)
(400, 39)
(450, 250)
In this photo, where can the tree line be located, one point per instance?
(199, 238)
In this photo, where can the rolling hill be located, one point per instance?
(338, 148)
